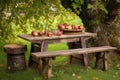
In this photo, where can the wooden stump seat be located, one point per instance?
(44, 59)
(15, 56)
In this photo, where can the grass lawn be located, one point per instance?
(62, 70)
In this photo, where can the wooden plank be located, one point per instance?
(72, 51)
(63, 40)
(15, 48)
(31, 38)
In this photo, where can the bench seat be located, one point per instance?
(72, 51)
(44, 59)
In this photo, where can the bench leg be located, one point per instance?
(47, 68)
(85, 59)
(98, 57)
(40, 65)
(105, 61)
(104, 57)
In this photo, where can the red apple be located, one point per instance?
(63, 27)
(34, 33)
(66, 27)
(60, 26)
(40, 33)
(75, 27)
(79, 27)
(65, 24)
(59, 33)
(49, 34)
(72, 27)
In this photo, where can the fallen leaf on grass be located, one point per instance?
(79, 77)
(73, 74)
(1, 65)
(114, 76)
(95, 78)
(9, 67)
(116, 73)
(118, 65)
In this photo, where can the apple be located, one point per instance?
(66, 27)
(79, 27)
(72, 27)
(63, 27)
(60, 26)
(40, 33)
(34, 33)
(43, 31)
(69, 27)
(65, 24)
(59, 33)
(49, 34)
(75, 27)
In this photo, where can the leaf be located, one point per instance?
(89, 6)
(1, 65)
(95, 78)
(118, 1)
(102, 7)
(73, 74)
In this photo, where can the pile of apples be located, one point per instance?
(65, 26)
(49, 33)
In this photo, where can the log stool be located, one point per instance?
(15, 56)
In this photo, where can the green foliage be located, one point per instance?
(21, 16)
(77, 5)
(118, 1)
(99, 5)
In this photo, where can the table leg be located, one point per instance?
(85, 56)
(30, 58)
(34, 48)
(47, 62)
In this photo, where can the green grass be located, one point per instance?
(62, 70)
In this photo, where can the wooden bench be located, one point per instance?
(45, 61)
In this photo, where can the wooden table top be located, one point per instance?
(31, 38)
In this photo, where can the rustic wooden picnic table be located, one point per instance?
(45, 40)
